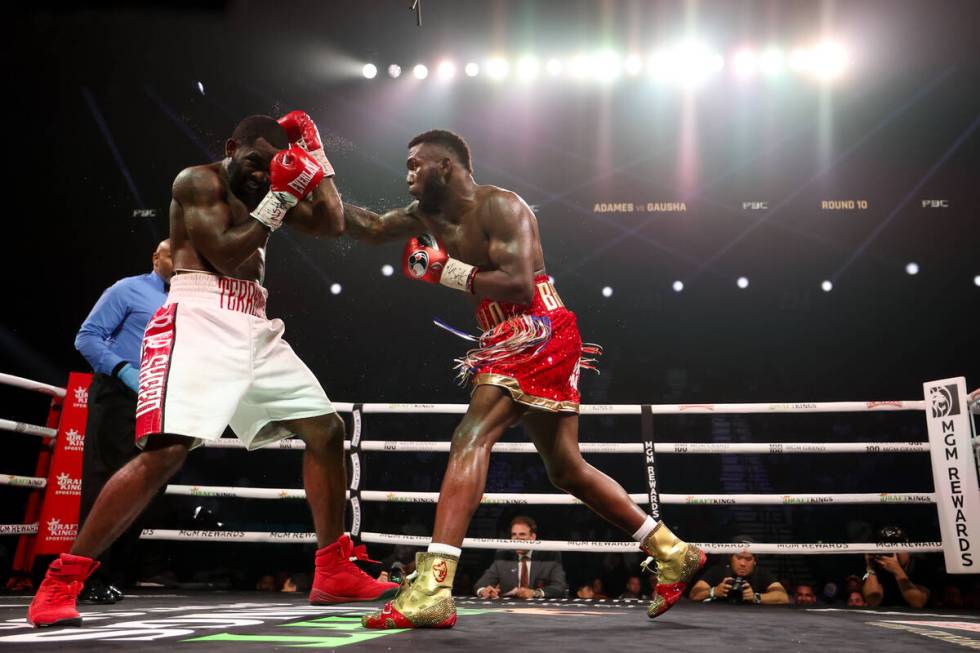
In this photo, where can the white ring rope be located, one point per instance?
(227, 492)
(27, 384)
(23, 481)
(29, 429)
(539, 545)
(666, 409)
(18, 529)
(618, 447)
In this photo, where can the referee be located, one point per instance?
(110, 339)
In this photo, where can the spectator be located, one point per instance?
(633, 589)
(740, 581)
(110, 339)
(266, 583)
(804, 595)
(598, 590)
(855, 600)
(585, 592)
(952, 597)
(893, 579)
(514, 573)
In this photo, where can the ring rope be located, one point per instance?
(28, 384)
(667, 409)
(618, 447)
(23, 481)
(540, 545)
(491, 498)
(29, 429)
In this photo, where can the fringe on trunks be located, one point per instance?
(528, 334)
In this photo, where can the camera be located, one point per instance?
(735, 593)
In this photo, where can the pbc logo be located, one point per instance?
(81, 397)
(755, 206)
(935, 204)
(944, 401)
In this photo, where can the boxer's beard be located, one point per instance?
(434, 195)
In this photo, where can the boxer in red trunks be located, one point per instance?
(484, 241)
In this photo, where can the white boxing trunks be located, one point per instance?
(212, 359)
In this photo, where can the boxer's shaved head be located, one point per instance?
(252, 128)
(449, 140)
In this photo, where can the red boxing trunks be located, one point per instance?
(533, 351)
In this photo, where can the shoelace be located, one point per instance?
(62, 591)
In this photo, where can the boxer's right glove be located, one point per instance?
(293, 174)
(301, 129)
(425, 258)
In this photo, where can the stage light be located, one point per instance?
(678, 286)
(912, 268)
(200, 87)
(772, 62)
(829, 60)
(528, 68)
(607, 291)
(472, 69)
(370, 71)
(661, 65)
(554, 67)
(420, 71)
(692, 63)
(745, 63)
(551, 279)
(579, 66)
(446, 70)
(743, 282)
(606, 66)
(976, 281)
(387, 270)
(498, 68)
(394, 71)
(826, 286)
(335, 289)
(800, 59)
(633, 65)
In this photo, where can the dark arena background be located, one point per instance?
(743, 201)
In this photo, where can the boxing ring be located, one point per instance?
(191, 620)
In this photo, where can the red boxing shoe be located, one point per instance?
(339, 580)
(54, 603)
(390, 618)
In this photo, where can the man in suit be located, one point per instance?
(516, 574)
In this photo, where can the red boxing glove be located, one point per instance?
(425, 258)
(301, 129)
(293, 174)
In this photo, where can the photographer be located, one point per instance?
(740, 582)
(888, 577)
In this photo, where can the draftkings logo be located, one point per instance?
(68, 485)
(61, 532)
(74, 441)
(81, 397)
(944, 401)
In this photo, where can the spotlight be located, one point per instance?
(800, 59)
(579, 66)
(633, 65)
(551, 279)
(678, 286)
(498, 68)
(976, 281)
(200, 87)
(772, 62)
(826, 286)
(554, 67)
(692, 63)
(912, 268)
(661, 65)
(420, 72)
(387, 270)
(745, 63)
(742, 282)
(472, 69)
(606, 66)
(446, 70)
(607, 291)
(829, 60)
(369, 70)
(335, 289)
(394, 71)
(528, 68)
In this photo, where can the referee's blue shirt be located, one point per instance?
(113, 332)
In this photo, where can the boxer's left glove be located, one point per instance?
(301, 129)
(293, 174)
(426, 259)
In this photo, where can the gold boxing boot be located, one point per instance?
(425, 601)
(677, 563)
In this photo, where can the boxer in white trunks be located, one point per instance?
(211, 358)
